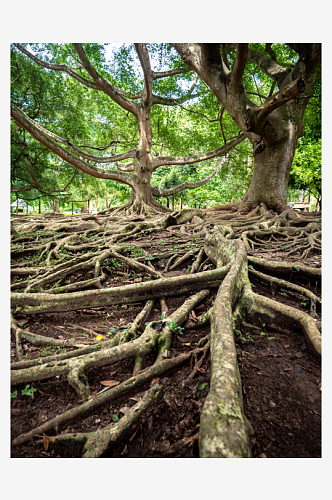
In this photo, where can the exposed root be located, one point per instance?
(277, 283)
(95, 444)
(103, 398)
(230, 233)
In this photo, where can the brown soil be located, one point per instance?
(281, 382)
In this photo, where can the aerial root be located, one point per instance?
(96, 444)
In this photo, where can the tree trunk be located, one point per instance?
(271, 175)
(39, 206)
(84, 208)
(56, 207)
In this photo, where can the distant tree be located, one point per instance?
(138, 173)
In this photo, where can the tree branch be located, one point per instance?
(82, 154)
(269, 50)
(38, 133)
(187, 160)
(143, 57)
(256, 116)
(265, 64)
(103, 84)
(172, 72)
(190, 54)
(239, 65)
(18, 189)
(125, 168)
(185, 185)
(57, 67)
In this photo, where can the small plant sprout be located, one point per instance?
(163, 315)
(26, 391)
(111, 332)
(174, 327)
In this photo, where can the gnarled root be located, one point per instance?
(95, 444)
(223, 429)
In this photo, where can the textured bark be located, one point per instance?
(274, 127)
(223, 427)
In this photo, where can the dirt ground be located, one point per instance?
(281, 381)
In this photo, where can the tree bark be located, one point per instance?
(271, 174)
(273, 127)
(56, 207)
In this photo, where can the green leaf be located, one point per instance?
(203, 386)
(296, 268)
(115, 418)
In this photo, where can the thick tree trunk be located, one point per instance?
(84, 209)
(271, 175)
(56, 207)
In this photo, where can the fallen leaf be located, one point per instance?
(136, 398)
(137, 280)
(99, 337)
(110, 383)
(97, 420)
(200, 370)
(60, 337)
(124, 409)
(128, 281)
(112, 373)
(46, 441)
(154, 381)
(193, 314)
(187, 344)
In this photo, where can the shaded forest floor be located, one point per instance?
(281, 378)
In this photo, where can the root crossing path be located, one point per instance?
(109, 313)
